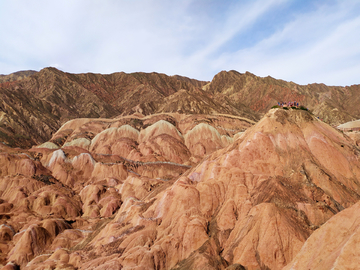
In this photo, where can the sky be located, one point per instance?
(304, 41)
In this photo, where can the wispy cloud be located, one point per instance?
(239, 18)
(315, 41)
(319, 46)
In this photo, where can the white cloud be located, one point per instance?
(316, 47)
(173, 37)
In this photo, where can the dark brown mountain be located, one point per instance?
(33, 108)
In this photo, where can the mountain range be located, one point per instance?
(148, 171)
(35, 104)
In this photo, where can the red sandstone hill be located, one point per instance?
(33, 105)
(180, 191)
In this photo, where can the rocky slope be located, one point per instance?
(341, 248)
(177, 191)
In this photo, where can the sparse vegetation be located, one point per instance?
(44, 178)
(137, 123)
(21, 137)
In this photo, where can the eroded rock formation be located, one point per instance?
(57, 197)
(174, 191)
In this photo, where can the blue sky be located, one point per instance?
(295, 40)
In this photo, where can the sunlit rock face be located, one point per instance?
(174, 191)
(333, 246)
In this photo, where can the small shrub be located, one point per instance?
(275, 107)
(137, 123)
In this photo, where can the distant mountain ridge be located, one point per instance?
(16, 75)
(333, 104)
(35, 104)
